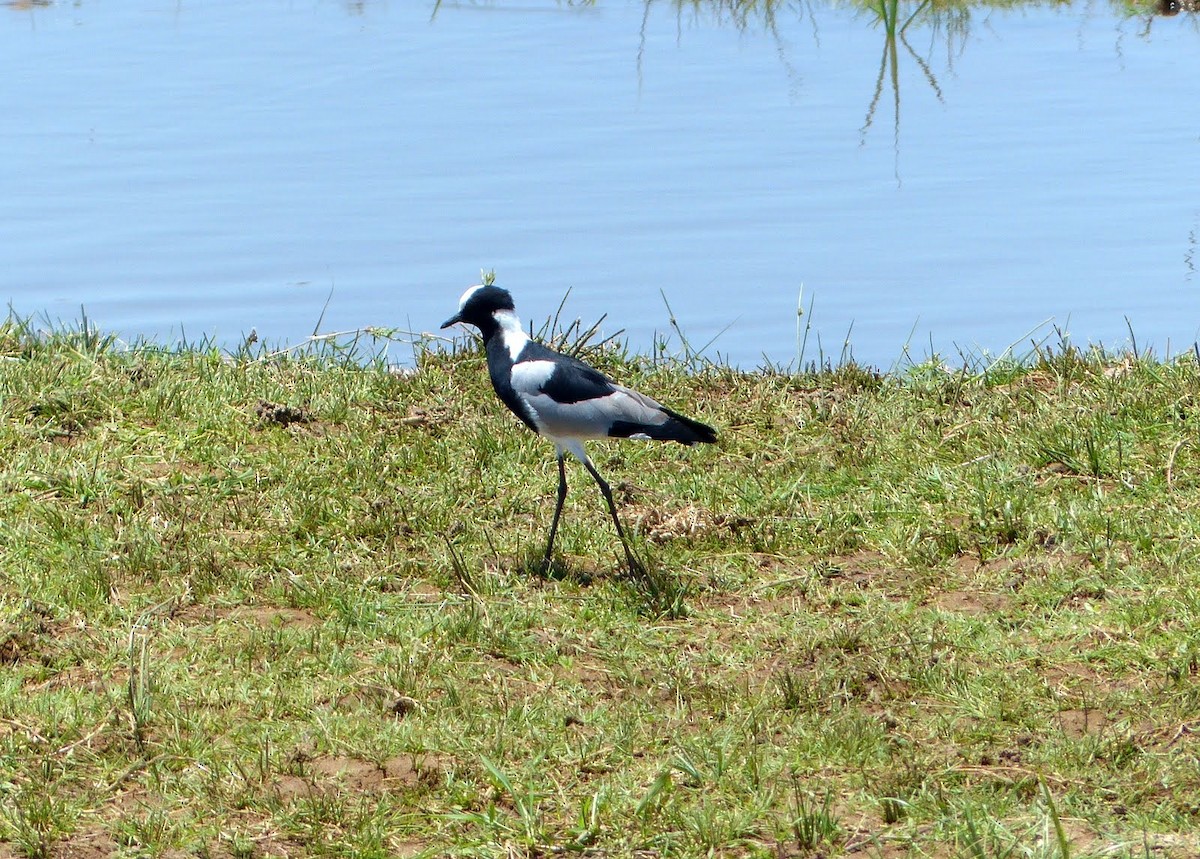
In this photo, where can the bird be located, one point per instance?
(565, 400)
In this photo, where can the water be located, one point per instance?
(210, 168)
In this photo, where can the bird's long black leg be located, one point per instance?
(562, 496)
(635, 566)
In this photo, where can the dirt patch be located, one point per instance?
(1013, 574)
(264, 617)
(1170, 845)
(426, 416)
(973, 602)
(1073, 676)
(589, 674)
(269, 616)
(266, 844)
(1082, 723)
(379, 699)
(81, 679)
(864, 563)
(1165, 737)
(425, 593)
(291, 787)
(867, 570)
(331, 774)
(734, 611)
(161, 469)
(1080, 683)
(86, 844)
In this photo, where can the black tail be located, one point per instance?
(676, 427)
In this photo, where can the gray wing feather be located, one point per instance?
(592, 418)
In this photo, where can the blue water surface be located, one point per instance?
(205, 169)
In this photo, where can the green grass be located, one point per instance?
(281, 606)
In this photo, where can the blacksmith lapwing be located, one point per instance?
(564, 399)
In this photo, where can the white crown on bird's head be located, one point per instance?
(481, 303)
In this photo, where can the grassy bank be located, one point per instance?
(282, 607)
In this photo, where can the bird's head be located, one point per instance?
(479, 306)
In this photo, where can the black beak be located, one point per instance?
(453, 320)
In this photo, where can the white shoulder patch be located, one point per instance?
(529, 376)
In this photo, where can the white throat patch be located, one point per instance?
(510, 332)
